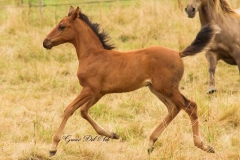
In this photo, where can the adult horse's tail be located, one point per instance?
(202, 40)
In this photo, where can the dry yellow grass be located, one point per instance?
(36, 85)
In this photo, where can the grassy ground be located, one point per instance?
(36, 85)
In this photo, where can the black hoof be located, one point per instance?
(211, 150)
(211, 90)
(150, 150)
(115, 136)
(52, 153)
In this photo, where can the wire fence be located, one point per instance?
(32, 6)
(45, 3)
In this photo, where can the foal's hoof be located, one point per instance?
(52, 153)
(210, 150)
(115, 136)
(211, 90)
(150, 150)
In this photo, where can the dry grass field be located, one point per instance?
(37, 84)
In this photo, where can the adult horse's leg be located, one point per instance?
(236, 56)
(191, 108)
(212, 59)
(84, 97)
(172, 112)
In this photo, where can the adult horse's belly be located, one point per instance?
(224, 53)
(226, 57)
(230, 61)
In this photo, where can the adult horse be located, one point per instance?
(103, 71)
(226, 45)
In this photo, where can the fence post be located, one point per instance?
(19, 2)
(41, 8)
(180, 5)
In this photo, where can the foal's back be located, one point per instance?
(135, 69)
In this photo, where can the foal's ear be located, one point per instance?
(70, 11)
(74, 13)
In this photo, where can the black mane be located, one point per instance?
(102, 36)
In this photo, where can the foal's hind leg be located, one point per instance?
(173, 110)
(191, 108)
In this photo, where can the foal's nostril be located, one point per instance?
(185, 9)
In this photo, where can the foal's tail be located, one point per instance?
(202, 40)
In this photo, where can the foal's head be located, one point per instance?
(68, 29)
(64, 31)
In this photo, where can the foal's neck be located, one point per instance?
(86, 41)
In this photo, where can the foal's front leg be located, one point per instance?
(84, 112)
(84, 97)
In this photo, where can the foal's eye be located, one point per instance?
(61, 27)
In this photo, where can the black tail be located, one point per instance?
(202, 40)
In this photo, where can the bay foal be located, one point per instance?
(102, 71)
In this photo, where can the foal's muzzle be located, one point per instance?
(47, 43)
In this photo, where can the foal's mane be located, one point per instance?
(102, 35)
(225, 6)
